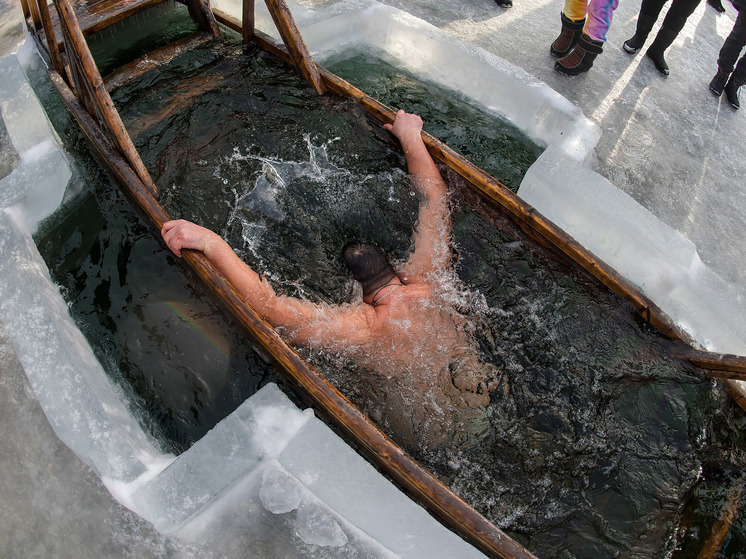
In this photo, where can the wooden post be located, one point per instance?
(201, 13)
(35, 16)
(103, 102)
(294, 43)
(53, 49)
(25, 9)
(247, 21)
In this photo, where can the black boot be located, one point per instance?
(644, 25)
(717, 4)
(718, 82)
(568, 37)
(505, 3)
(656, 51)
(581, 58)
(731, 91)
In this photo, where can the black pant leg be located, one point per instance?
(733, 45)
(678, 13)
(652, 8)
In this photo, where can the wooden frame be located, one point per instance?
(76, 77)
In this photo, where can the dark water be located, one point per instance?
(140, 34)
(601, 443)
(489, 142)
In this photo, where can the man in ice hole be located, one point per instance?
(426, 380)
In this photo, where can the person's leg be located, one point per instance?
(727, 58)
(737, 79)
(673, 23)
(717, 84)
(576, 9)
(591, 42)
(740, 71)
(733, 44)
(573, 20)
(649, 12)
(599, 18)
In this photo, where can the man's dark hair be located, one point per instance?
(367, 264)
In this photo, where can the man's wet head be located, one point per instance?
(368, 265)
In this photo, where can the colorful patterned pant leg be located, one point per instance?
(598, 13)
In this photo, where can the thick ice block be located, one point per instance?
(83, 407)
(259, 429)
(658, 259)
(271, 467)
(343, 480)
(238, 525)
(36, 186)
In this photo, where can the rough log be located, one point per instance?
(247, 22)
(154, 58)
(201, 14)
(295, 44)
(721, 365)
(52, 47)
(103, 101)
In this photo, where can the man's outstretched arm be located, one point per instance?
(302, 321)
(431, 250)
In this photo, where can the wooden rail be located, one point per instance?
(720, 365)
(154, 58)
(93, 94)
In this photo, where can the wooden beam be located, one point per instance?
(52, 47)
(294, 43)
(33, 8)
(96, 16)
(153, 59)
(201, 14)
(105, 106)
(247, 21)
(722, 526)
(25, 9)
(720, 365)
(260, 38)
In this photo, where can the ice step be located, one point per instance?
(257, 430)
(270, 459)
